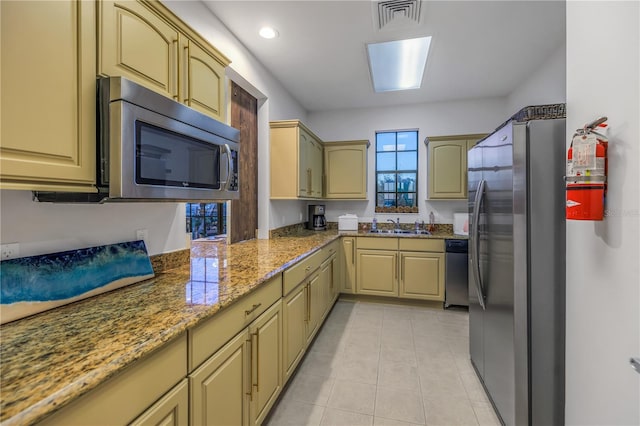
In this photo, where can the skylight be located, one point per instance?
(398, 65)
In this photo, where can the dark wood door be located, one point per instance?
(244, 212)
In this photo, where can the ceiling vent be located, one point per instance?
(396, 13)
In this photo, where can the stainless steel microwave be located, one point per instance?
(152, 148)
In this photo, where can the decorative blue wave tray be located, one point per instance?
(30, 285)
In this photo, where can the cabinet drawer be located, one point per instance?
(207, 338)
(377, 243)
(330, 249)
(298, 272)
(422, 244)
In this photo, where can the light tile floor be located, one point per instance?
(386, 365)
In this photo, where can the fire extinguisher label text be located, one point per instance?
(584, 152)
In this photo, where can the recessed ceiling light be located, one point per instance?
(268, 32)
(398, 65)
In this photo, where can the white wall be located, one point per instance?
(434, 119)
(47, 228)
(603, 284)
(546, 85)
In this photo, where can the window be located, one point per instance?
(206, 219)
(396, 171)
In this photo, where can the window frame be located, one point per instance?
(398, 209)
(218, 217)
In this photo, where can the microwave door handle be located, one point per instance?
(227, 182)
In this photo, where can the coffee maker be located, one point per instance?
(317, 222)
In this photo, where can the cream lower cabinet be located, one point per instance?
(330, 272)
(265, 363)
(48, 102)
(310, 288)
(302, 311)
(315, 305)
(348, 265)
(294, 329)
(219, 388)
(422, 275)
(239, 384)
(411, 268)
(377, 266)
(377, 272)
(422, 269)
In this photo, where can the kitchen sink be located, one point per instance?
(398, 232)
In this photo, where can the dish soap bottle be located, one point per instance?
(374, 225)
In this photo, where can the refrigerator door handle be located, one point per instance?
(635, 363)
(475, 247)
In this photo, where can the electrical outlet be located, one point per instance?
(143, 234)
(10, 251)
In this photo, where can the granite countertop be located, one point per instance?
(54, 357)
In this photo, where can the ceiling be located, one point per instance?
(479, 48)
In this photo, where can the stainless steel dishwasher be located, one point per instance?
(456, 273)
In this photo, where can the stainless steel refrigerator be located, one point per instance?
(517, 269)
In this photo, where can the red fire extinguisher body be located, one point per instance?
(586, 188)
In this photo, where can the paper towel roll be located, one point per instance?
(461, 223)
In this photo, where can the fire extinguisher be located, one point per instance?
(586, 178)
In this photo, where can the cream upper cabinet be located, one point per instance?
(447, 169)
(447, 166)
(136, 43)
(305, 141)
(296, 161)
(47, 81)
(345, 170)
(204, 86)
(143, 41)
(315, 163)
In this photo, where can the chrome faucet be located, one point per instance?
(397, 224)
